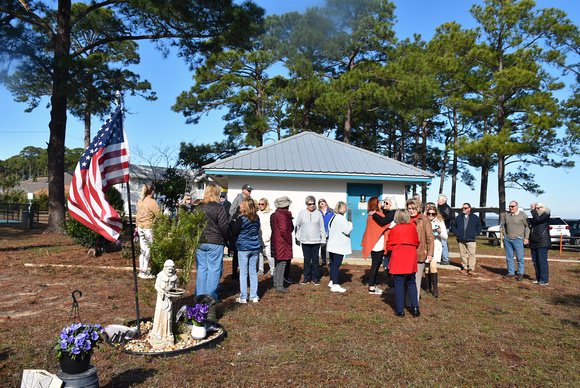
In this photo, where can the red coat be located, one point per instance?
(281, 223)
(403, 242)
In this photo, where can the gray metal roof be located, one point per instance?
(314, 154)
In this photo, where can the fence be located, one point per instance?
(19, 212)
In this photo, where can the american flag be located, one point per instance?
(104, 163)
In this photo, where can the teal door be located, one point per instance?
(357, 197)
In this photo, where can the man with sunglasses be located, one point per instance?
(516, 231)
(466, 228)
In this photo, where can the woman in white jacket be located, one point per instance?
(265, 214)
(440, 233)
(338, 244)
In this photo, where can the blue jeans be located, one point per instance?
(445, 246)
(399, 281)
(210, 267)
(310, 252)
(336, 261)
(516, 245)
(540, 259)
(248, 259)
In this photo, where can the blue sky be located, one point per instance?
(153, 129)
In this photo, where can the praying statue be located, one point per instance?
(161, 335)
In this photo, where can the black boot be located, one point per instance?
(435, 281)
(429, 283)
(415, 312)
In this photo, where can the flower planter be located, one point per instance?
(76, 366)
(198, 332)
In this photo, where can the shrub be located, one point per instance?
(87, 237)
(177, 239)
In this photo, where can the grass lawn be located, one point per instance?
(481, 331)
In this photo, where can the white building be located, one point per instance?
(312, 164)
(141, 175)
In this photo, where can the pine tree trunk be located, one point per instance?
(454, 168)
(87, 128)
(57, 124)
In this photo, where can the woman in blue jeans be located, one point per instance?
(246, 231)
(209, 256)
(339, 229)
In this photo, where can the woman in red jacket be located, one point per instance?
(403, 242)
(282, 228)
(373, 242)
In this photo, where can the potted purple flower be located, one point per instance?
(76, 345)
(196, 316)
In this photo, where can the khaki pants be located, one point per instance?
(467, 253)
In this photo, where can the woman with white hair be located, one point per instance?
(310, 234)
(540, 241)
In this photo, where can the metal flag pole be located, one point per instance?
(118, 100)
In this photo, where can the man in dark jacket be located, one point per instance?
(466, 228)
(445, 210)
(224, 201)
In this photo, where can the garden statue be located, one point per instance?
(161, 335)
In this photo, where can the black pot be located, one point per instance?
(78, 365)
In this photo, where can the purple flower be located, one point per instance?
(79, 338)
(197, 312)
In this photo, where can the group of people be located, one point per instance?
(519, 230)
(407, 241)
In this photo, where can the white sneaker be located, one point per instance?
(330, 283)
(255, 300)
(241, 300)
(146, 275)
(376, 291)
(337, 288)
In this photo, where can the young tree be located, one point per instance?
(195, 26)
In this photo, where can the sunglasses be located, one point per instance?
(466, 208)
(261, 204)
(319, 202)
(431, 214)
(511, 206)
(311, 204)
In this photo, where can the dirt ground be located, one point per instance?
(482, 331)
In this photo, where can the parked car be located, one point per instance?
(574, 231)
(557, 227)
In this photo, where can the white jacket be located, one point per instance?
(339, 229)
(438, 247)
(265, 227)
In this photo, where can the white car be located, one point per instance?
(558, 227)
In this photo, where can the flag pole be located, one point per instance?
(118, 101)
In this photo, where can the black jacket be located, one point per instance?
(446, 213)
(540, 230)
(217, 230)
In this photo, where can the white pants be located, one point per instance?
(268, 254)
(145, 237)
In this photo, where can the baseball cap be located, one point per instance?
(247, 187)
